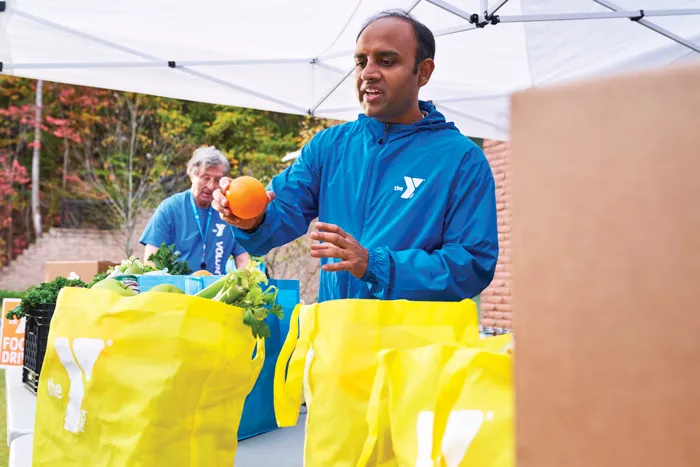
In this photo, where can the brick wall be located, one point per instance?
(496, 307)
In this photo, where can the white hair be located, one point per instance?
(206, 157)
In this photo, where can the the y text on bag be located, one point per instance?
(78, 363)
(462, 427)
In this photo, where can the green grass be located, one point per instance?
(4, 450)
(11, 294)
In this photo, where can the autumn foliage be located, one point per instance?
(121, 153)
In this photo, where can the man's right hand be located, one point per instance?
(220, 204)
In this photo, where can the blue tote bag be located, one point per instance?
(259, 409)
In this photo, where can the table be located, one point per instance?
(21, 405)
(21, 451)
(283, 447)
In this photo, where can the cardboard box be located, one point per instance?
(85, 269)
(606, 242)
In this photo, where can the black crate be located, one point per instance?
(36, 336)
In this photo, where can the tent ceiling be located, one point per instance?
(296, 56)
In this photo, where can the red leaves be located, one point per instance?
(11, 175)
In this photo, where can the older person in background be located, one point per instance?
(188, 221)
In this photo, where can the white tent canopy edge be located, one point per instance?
(481, 112)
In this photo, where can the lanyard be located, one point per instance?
(202, 233)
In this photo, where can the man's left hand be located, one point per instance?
(339, 244)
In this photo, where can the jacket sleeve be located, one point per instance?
(295, 205)
(466, 262)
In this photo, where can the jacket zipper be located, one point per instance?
(381, 142)
(386, 133)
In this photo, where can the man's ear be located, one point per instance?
(425, 71)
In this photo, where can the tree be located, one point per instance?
(15, 123)
(138, 145)
(122, 152)
(12, 175)
(36, 209)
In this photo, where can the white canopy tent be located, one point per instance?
(296, 56)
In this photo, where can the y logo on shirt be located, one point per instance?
(411, 185)
(219, 229)
(80, 366)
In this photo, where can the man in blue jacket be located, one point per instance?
(405, 202)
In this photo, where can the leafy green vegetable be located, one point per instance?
(167, 257)
(46, 292)
(242, 288)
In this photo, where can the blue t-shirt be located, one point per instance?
(174, 222)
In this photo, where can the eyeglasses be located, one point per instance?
(207, 180)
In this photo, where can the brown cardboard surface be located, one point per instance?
(606, 281)
(85, 269)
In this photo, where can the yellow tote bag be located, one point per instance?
(158, 379)
(335, 355)
(442, 406)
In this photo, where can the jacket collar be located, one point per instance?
(433, 120)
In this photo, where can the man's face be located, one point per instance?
(204, 183)
(385, 83)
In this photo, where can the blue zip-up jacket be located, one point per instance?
(420, 198)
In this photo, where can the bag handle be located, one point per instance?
(374, 409)
(288, 382)
(450, 387)
(452, 380)
(257, 362)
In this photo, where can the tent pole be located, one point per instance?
(633, 14)
(342, 53)
(236, 87)
(328, 67)
(155, 64)
(413, 5)
(495, 10)
(654, 27)
(670, 35)
(452, 9)
(454, 30)
(83, 35)
(331, 91)
(155, 59)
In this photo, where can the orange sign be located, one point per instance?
(12, 333)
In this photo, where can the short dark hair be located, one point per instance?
(424, 36)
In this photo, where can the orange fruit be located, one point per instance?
(247, 198)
